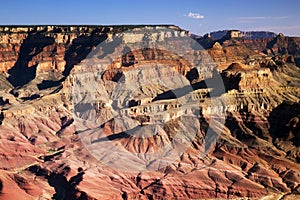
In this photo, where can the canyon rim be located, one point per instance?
(148, 112)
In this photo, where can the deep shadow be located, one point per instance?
(48, 84)
(66, 122)
(51, 157)
(217, 90)
(60, 183)
(118, 136)
(119, 76)
(3, 102)
(20, 73)
(80, 49)
(75, 180)
(132, 103)
(168, 95)
(64, 189)
(237, 131)
(112, 137)
(284, 123)
(180, 92)
(231, 81)
(1, 186)
(192, 75)
(1, 118)
(32, 97)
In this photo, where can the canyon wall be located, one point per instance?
(66, 96)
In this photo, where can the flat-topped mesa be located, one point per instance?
(217, 35)
(16, 34)
(234, 34)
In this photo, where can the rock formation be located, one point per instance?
(217, 35)
(57, 134)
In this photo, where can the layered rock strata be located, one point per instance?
(51, 139)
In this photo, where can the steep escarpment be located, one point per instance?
(45, 55)
(96, 112)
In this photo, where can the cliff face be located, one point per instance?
(217, 35)
(75, 100)
(43, 50)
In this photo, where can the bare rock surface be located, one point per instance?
(55, 144)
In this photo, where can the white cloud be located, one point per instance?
(195, 15)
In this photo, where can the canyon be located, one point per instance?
(148, 112)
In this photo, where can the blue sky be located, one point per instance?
(198, 16)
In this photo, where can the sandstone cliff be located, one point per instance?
(50, 133)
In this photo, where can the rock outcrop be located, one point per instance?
(61, 139)
(217, 35)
